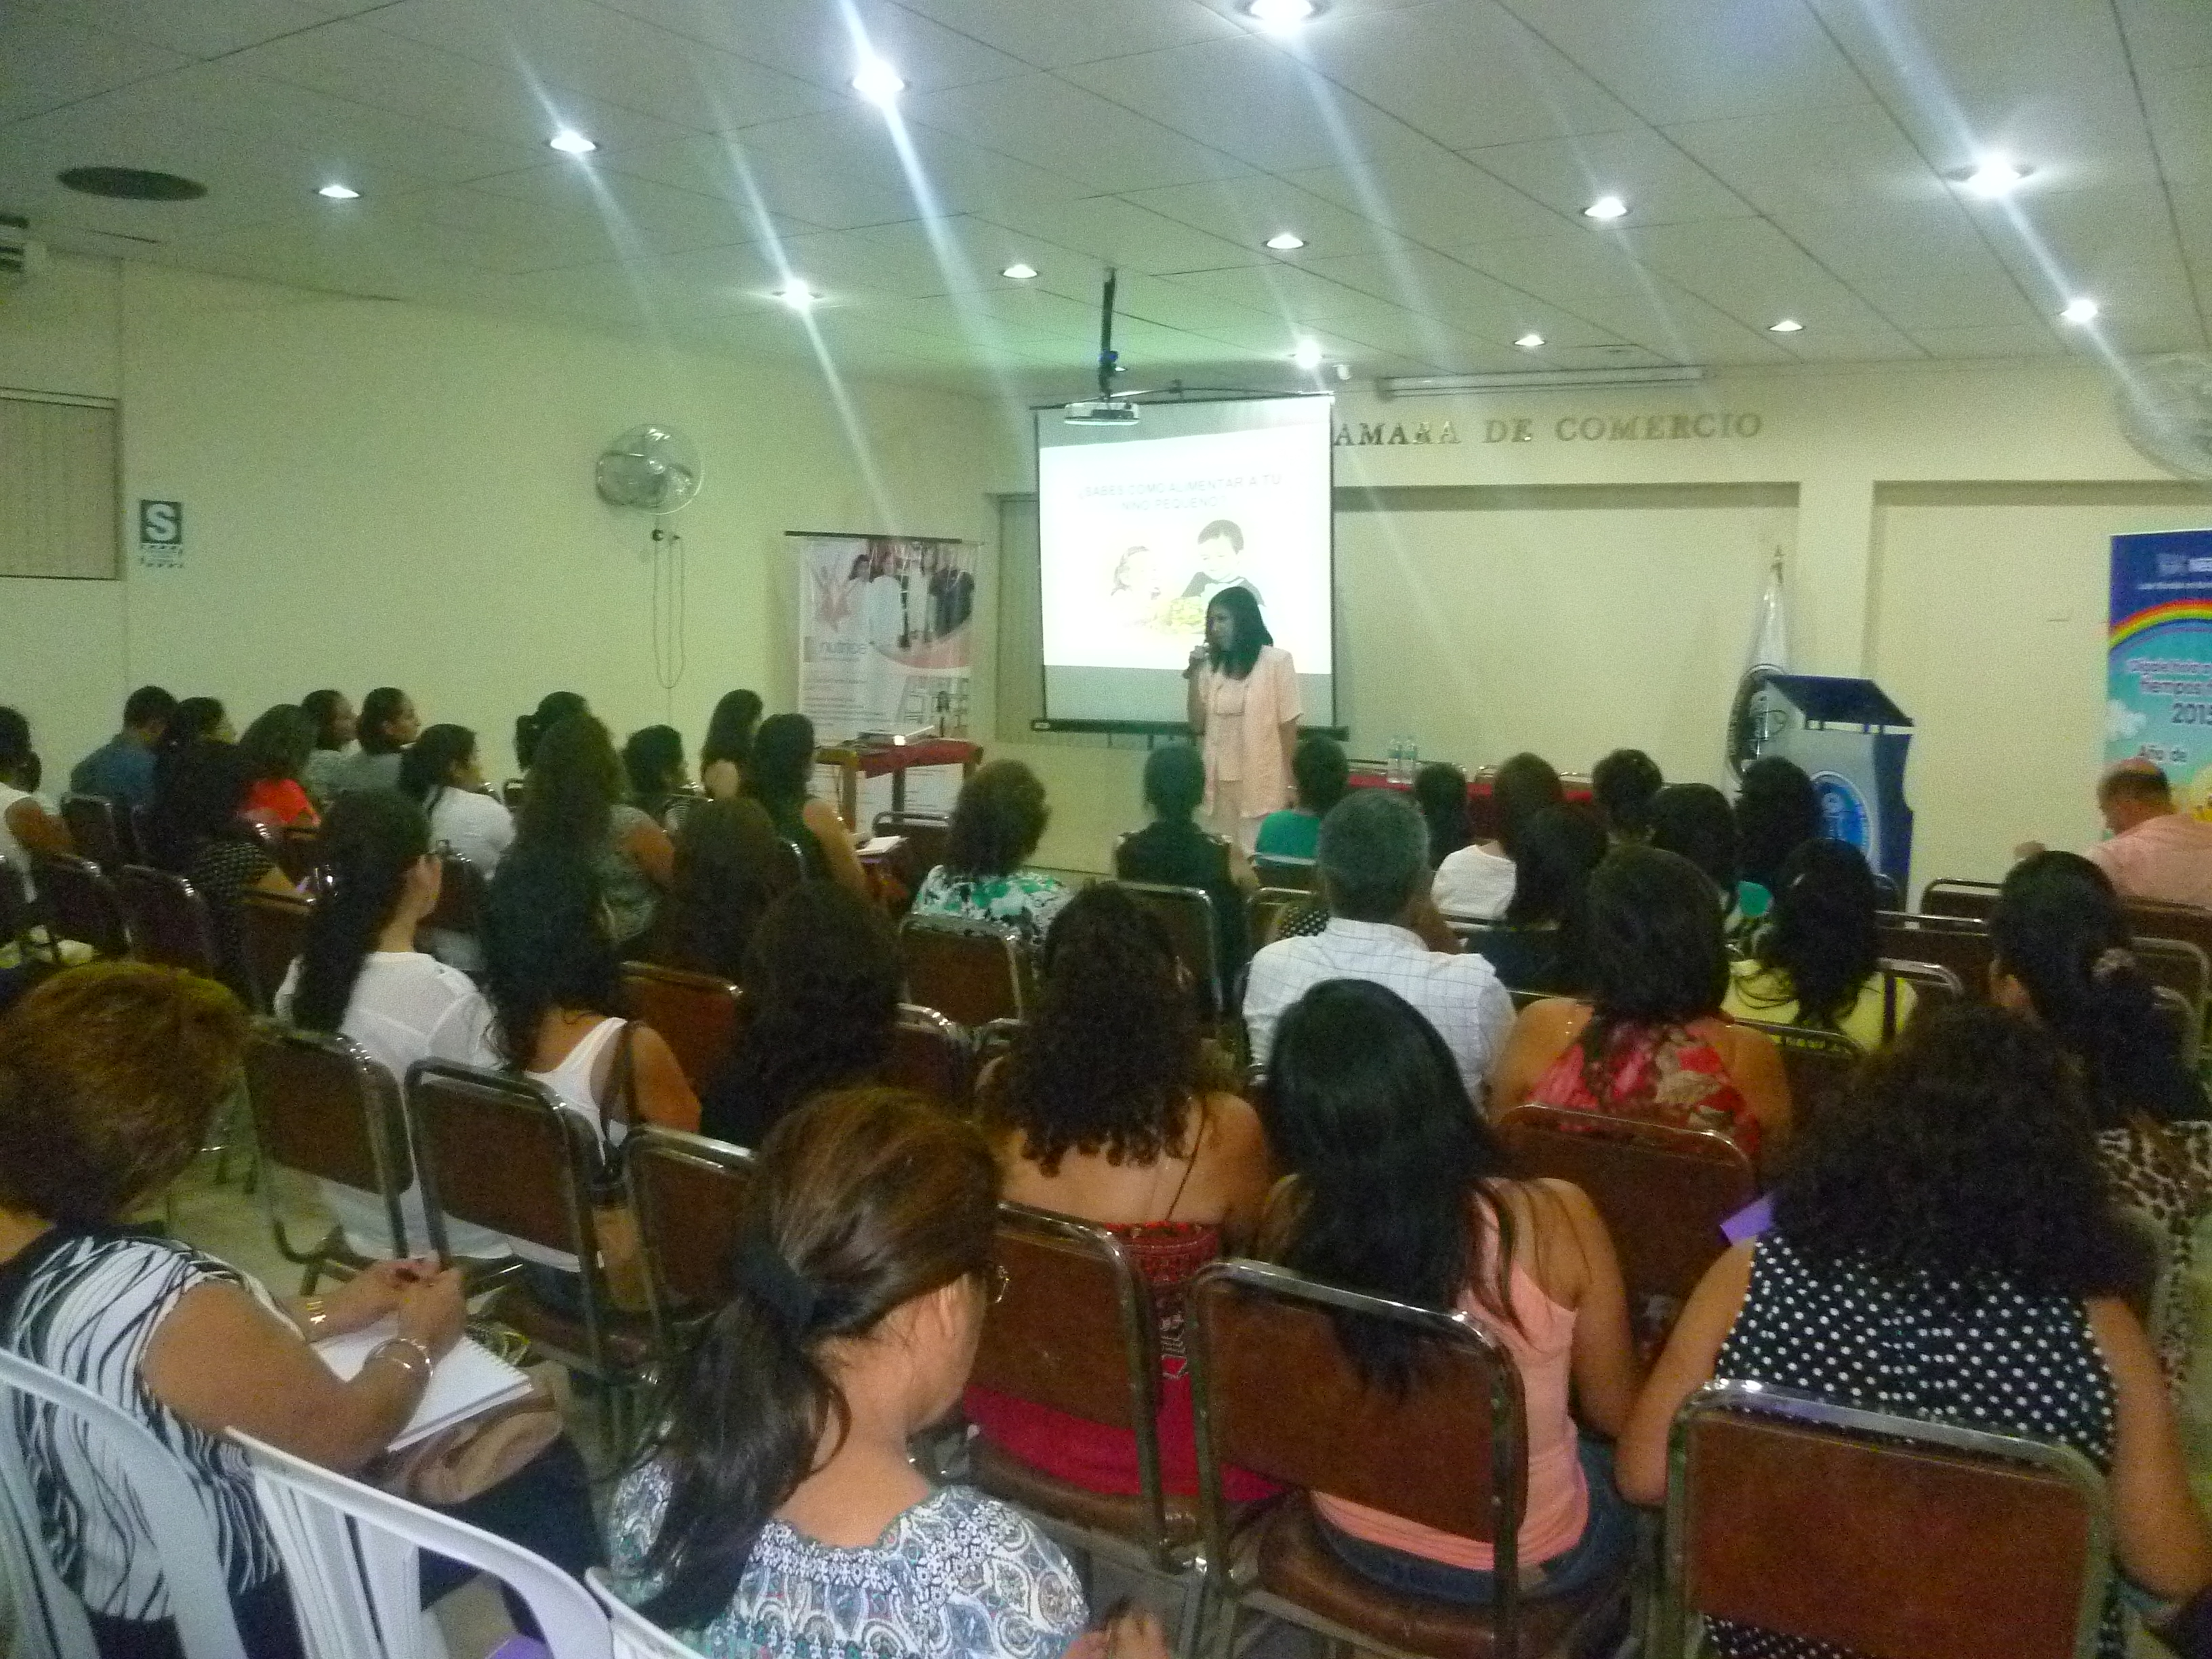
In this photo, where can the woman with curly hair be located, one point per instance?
(1104, 1110)
(1817, 959)
(1943, 1248)
(997, 824)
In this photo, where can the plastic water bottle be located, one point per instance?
(1413, 759)
(1397, 768)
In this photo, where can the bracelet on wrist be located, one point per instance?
(409, 1353)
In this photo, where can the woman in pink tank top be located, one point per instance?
(1398, 1188)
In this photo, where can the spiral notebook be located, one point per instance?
(470, 1379)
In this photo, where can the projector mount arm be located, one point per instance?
(1107, 357)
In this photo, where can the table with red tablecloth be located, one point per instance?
(1481, 795)
(855, 761)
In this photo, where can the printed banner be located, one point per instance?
(886, 644)
(2158, 696)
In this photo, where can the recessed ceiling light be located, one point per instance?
(1994, 176)
(1018, 272)
(2082, 310)
(339, 193)
(796, 294)
(1786, 325)
(1281, 14)
(570, 142)
(1283, 241)
(1606, 207)
(878, 83)
(1530, 341)
(1308, 356)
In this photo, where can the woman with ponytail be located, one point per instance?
(441, 774)
(362, 977)
(775, 1511)
(552, 708)
(2065, 956)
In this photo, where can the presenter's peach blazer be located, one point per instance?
(1271, 698)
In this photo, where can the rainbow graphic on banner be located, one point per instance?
(2158, 672)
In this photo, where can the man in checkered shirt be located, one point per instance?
(1374, 869)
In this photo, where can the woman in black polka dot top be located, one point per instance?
(1943, 1248)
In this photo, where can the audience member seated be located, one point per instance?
(729, 744)
(1777, 811)
(276, 747)
(1543, 941)
(660, 787)
(775, 1509)
(730, 867)
(25, 826)
(571, 804)
(2065, 959)
(193, 719)
(1477, 881)
(1104, 1110)
(121, 769)
(1320, 774)
(1815, 961)
(1943, 1247)
(442, 773)
(1623, 784)
(821, 982)
(1397, 1187)
(334, 727)
(1173, 851)
(111, 1075)
(1440, 791)
(2157, 851)
(208, 842)
(552, 708)
(779, 778)
(362, 977)
(553, 977)
(1694, 821)
(996, 824)
(1650, 1041)
(1374, 871)
(387, 725)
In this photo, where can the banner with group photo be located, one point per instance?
(886, 645)
(2158, 688)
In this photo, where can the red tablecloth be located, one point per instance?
(1481, 810)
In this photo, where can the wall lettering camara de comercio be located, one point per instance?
(1568, 428)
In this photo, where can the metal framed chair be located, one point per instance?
(699, 1016)
(49, 1621)
(971, 972)
(689, 1191)
(97, 831)
(1663, 1193)
(1187, 914)
(1266, 910)
(78, 903)
(1817, 1063)
(272, 931)
(1959, 943)
(1783, 1512)
(1296, 875)
(932, 1056)
(925, 834)
(1276, 1394)
(167, 919)
(1975, 901)
(635, 1636)
(461, 892)
(1934, 986)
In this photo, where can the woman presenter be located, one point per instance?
(1242, 701)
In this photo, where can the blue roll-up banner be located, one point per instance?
(2158, 685)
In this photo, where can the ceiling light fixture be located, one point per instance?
(2080, 310)
(1530, 341)
(1308, 356)
(1605, 208)
(339, 193)
(878, 83)
(1281, 14)
(1994, 176)
(1018, 272)
(796, 294)
(1285, 242)
(570, 142)
(1536, 380)
(1786, 325)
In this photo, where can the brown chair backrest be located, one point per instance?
(1448, 1453)
(1819, 1064)
(1268, 909)
(1187, 914)
(299, 849)
(697, 1016)
(1062, 1335)
(2149, 918)
(1974, 900)
(97, 831)
(930, 1055)
(510, 794)
(323, 1107)
(2179, 965)
(168, 920)
(14, 908)
(689, 1196)
(77, 903)
(970, 972)
(461, 889)
(1663, 1192)
(1786, 1514)
(1961, 945)
(502, 1151)
(925, 834)
(272, 928)
(1934, 986)
(1296, 875)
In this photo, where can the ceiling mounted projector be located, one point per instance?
(1106, 409)
(1103, 411)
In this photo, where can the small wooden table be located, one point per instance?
(856, 761)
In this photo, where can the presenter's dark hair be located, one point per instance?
(552, 708)
(1322, 773)
(379, 709)
(1525, 785)
(1777, 811)
(1440, 791)
(1175, 782)
(1821, 935)
(1623, 784)
(426, 771)
(370, 839)
(1658, 952)
(730, 730)
(997, 821)
(1694, 821)
(1248, 632)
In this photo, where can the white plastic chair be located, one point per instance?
(353, 1555)
(49, 1621)
(635, 1635)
